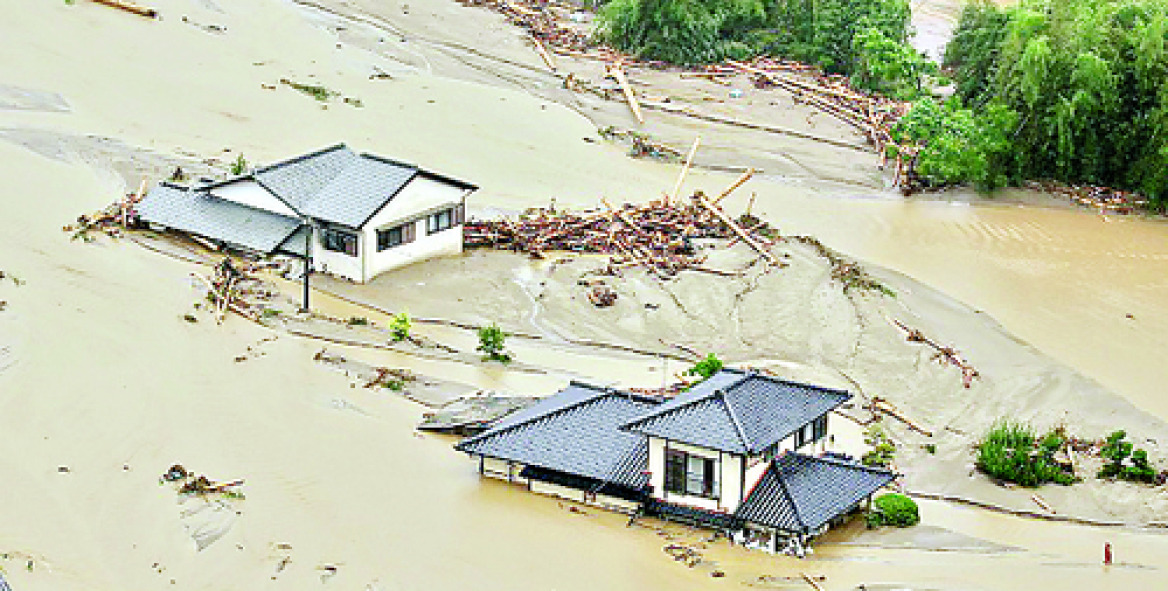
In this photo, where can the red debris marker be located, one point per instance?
(1106, 552)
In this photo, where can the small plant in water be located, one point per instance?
(492, 342)
(1117, 451)
(239, 166)
(399, 326)
(358, 321)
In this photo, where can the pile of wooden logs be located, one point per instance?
(544, 26)
(871, 114)
(232, 286)
(111, 220)
(1104, 199)
(657, 235)
(942, 353)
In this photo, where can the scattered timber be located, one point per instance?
(617, 72)
(131, 8)
(233, 287)
(195, 484)
(942, 353)
(879, 405)
(657, 236)
(685, 170)
(111, 221)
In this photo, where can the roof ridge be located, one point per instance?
(787, 493)
(385, 160)
(702, 398)
(301, 157)
(823, 389)
(846, 464)
(734, 420)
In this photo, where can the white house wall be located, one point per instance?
(729, 475)
(422, 196)
(249, 192)
(337, 263)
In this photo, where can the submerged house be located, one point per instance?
(742, 452)
(354, 215)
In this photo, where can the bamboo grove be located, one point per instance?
(1074, 91)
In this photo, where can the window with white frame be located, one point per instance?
(338, 240)
(444, 220)
(691, 474)
(396, 236)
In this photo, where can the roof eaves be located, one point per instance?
(822, 389)
(490, 433)
(449, 180)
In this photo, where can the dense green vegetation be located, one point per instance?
(1124, 461)
(1014, 453)
(1072, 90)
(865, 39)
(706, 368)
(894, 509)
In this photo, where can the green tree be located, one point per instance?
(681, 31)
(706, 368)
(492, 343)
(894, 509)
(399, 326)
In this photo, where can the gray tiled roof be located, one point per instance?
(336, 184)
(799, 493)
(738, 411)
(575, 431)
(200, 213)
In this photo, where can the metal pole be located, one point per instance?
(307, 263)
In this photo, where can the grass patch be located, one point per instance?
(1013, 452)
(316, 91)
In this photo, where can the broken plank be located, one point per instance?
(617, 71)
(747, 238)
(685, 169)
(738, 183)
(131, 8)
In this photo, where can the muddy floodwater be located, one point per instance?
(104, 384)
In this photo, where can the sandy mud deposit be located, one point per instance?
(100, 371)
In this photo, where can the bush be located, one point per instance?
(683, 32)
(1116, 451)
(399, 326)
(1013, 453)
(883, 450)
(492, 343)
(894, 509)
(706, 368)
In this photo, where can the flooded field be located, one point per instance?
(101, 375)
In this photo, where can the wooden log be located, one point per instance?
(1042, 503)
(131, 8)
(811, 581)
(543, 53)
(747, 238)
(617, 71)
(684, 170)
(738, 183)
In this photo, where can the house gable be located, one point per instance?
(247, 191)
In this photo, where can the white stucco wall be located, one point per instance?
(444, 243)
(729, 476)
(249, 192)
(336, 263)
(418, 199)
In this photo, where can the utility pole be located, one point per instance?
(307, 261)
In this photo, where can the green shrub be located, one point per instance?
(492, 341)
(706, 368)
(1013, 453)
(883, 450)
(681, 31)
(399, 326)
(894, 509)
(239, 166)
(1117, 451)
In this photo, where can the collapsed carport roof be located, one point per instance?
(199, 212)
